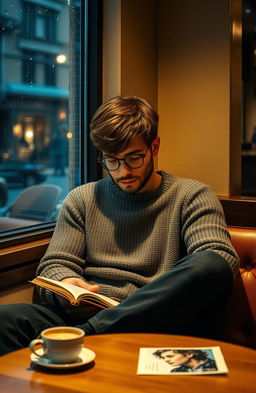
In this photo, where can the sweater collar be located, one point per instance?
(165, 184)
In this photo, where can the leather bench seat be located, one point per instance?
(240, 327)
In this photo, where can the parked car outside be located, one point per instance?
(22, 172)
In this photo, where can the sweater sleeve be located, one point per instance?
(204, 226)
(65, 256)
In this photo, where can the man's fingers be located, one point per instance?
(81, 283)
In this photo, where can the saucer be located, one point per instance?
(86, 356)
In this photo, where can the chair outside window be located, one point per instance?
(38, 203)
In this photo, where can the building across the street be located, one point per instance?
(34, 77)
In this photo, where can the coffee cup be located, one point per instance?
(60, 344)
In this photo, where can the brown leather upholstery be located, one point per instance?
(241, 317)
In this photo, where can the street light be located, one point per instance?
(61, 59)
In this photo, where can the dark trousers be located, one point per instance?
(190, 299)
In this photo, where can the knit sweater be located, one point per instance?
(123, 241)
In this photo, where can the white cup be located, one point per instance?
(60, 344)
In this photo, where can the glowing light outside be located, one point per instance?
(17, 130)
(62, 115)
(61, 59)
(29, 135)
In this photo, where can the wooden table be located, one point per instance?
(114, 369)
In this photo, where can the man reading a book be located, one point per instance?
(154, 242)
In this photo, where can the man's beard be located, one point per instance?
(149, 171)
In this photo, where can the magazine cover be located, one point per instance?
(181, 361)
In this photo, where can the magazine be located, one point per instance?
(73, 293)
(181, 361)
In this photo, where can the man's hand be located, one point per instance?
(81, 283)
(84, 308)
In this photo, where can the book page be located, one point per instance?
(181, 361)
(80, 293)
(77, 292)
(74, 289)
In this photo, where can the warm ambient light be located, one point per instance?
(69, 135)
(29, 135)
(237, 29)
(61, 59)
(62, 115)
(17, 130)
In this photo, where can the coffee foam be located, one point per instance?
(61, 335)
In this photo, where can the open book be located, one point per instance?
(73, 293)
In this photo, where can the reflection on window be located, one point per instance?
(249, 99)
(34, 137)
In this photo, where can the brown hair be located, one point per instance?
(197, 354)
(119, 120)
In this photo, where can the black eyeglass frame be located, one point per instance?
(101, 160)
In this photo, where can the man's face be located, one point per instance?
(175, 358)
(140, 179)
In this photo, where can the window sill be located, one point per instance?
(18, 262)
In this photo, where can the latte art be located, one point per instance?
(61, 335)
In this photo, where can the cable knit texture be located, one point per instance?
(123, 241)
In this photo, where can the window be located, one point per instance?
(40, 23)
(39, 68)
(45, 106)
(28, 67)
(40, 27)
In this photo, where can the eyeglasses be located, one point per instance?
(132, 161)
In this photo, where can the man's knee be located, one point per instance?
(216, 274)
(214, 265)
(208, 270)
(206, 263)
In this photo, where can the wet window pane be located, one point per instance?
(35, 137)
